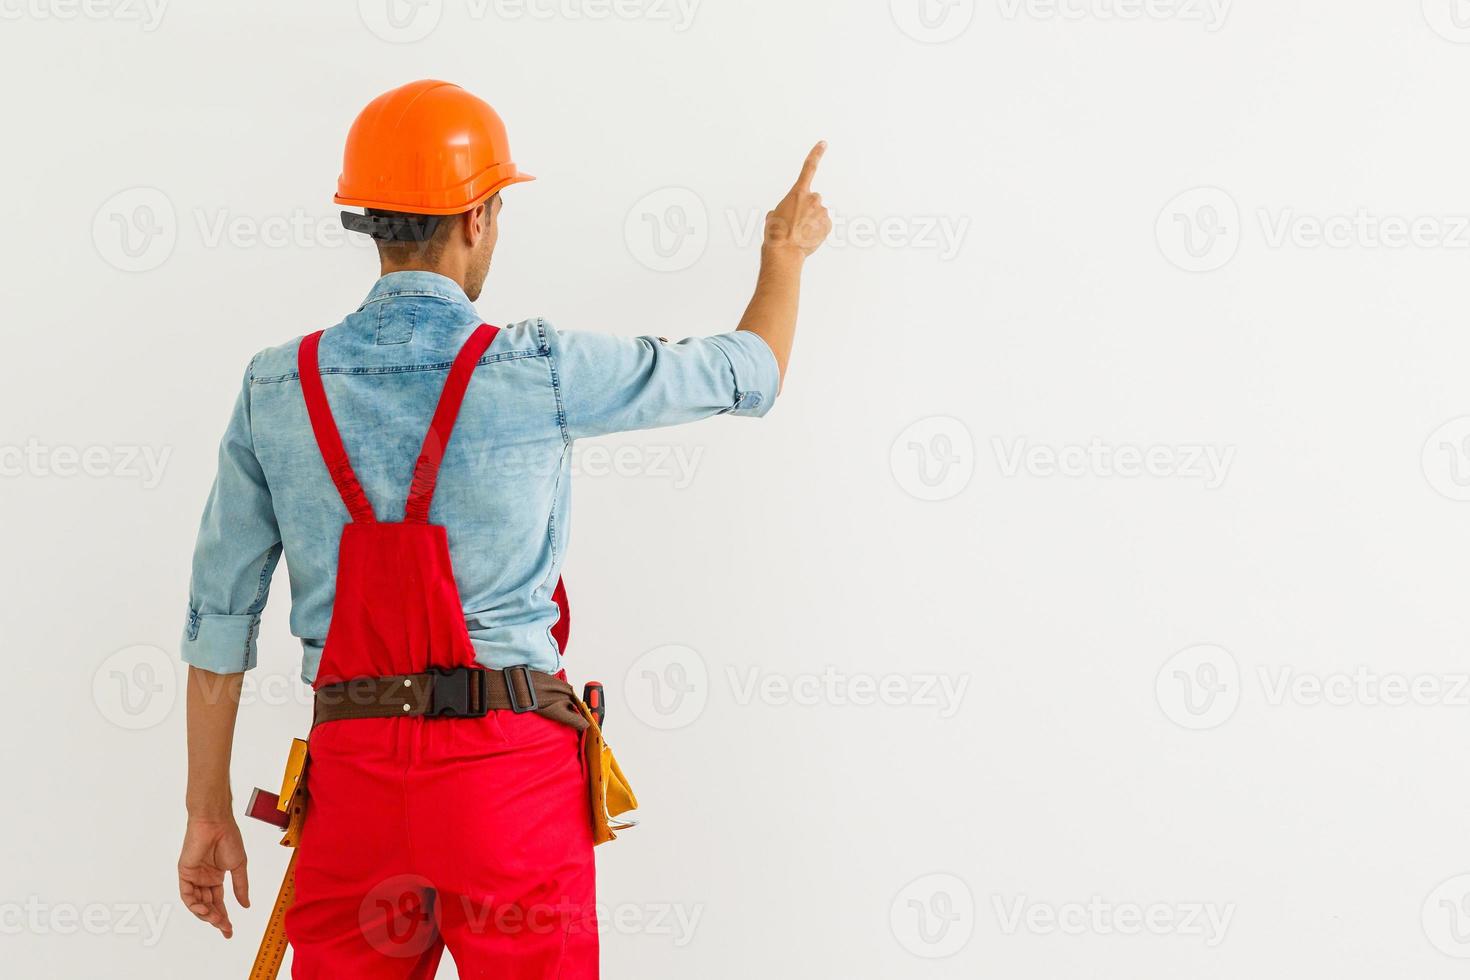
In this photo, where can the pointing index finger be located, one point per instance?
(809, 168)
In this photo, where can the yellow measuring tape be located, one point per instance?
(273, 944)
(292, 801)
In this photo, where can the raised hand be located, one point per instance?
(801, 221)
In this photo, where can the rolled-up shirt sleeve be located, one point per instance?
(616, 384)
(235, 556)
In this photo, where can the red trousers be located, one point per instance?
(423, 833)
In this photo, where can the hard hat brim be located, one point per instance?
(383, 205)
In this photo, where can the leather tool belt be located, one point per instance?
(464, 692)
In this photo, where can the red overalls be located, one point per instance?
(424, 832)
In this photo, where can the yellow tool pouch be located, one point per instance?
(611, 797)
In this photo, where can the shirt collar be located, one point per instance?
(416, 283)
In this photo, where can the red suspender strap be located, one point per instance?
(328, 439)
(426, 470)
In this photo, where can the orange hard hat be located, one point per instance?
(427, 147)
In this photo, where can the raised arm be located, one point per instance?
(794, 230)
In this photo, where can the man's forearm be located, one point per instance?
(214, 702)
(771, 314)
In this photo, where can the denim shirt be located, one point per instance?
(504, 485)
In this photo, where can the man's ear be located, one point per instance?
(476, 224)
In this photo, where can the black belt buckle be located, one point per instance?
(510, 688)
(458, 693)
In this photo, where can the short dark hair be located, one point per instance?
(412, 236)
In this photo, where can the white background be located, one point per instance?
(1130, 191)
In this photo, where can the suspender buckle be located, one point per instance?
(510, 687)
(458, 693)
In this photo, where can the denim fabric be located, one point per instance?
(504, 487)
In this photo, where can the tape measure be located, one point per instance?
(287, 810)
(273, 944)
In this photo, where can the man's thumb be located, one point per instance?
(241, 881)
